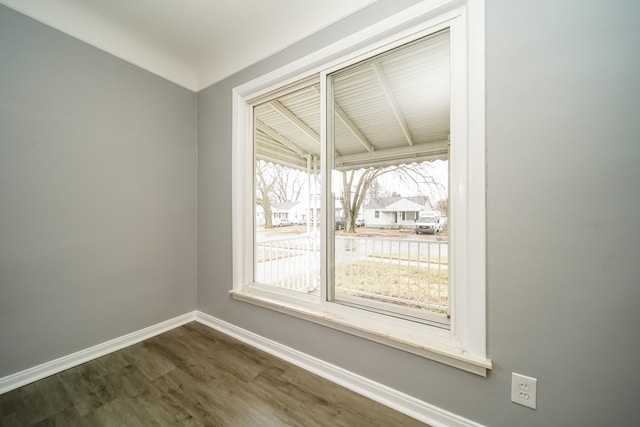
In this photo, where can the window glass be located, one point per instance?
(287, 188)
(389, 145)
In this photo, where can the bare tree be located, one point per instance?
(422, 177)
(376, 192)
(443, 206)
(288, 184)
(265, 183)
(276, 183)
(356, 186)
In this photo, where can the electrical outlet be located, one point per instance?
(524, 390)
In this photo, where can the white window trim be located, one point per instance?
(464, 346)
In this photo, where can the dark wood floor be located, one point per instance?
(191, 376)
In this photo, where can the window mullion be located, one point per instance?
(459, 209)
(327, 246)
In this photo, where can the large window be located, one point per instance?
(358, 188)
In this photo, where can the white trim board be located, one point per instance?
(19, 379)
(401, 402)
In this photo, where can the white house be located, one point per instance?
(395, 212)
(286, 210)
(296, 212)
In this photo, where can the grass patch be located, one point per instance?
(385, 281)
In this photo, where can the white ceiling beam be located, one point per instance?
(390, 156)
(347, 122)
(392, 101)
(388, 162)
(284, 112)
(279, 138)
(353, 128)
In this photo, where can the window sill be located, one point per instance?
(423, 340)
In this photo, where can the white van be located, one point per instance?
(429, 224)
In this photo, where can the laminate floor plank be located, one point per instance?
(296, 405)
(356, 407)
(87, 388)
(192, 395)
(106, 364)
(191, 376)
(187, 355)
(38, 401)
(165, 412)
(243, 405)
(131, 383)
(150, 363)
(229, 356)
(67, 417)
(123, 412)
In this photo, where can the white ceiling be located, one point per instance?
(193, 43)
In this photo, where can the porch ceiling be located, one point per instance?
(391, 109)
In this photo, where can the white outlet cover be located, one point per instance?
(524, 390)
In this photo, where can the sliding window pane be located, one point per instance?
(389, 139)
(287, 202)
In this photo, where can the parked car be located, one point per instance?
(359, 222)
(339, 223)
(281, 222)
(427, 224)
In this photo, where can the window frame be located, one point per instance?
(464, 345)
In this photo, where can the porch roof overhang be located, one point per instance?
(389, 110)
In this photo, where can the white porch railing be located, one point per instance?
(410, 273)
(290, 263)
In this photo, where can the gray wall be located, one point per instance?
(98, 210)
(97, 196)
(563, 277)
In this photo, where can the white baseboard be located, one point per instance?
(44, 370)
(387, 396)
